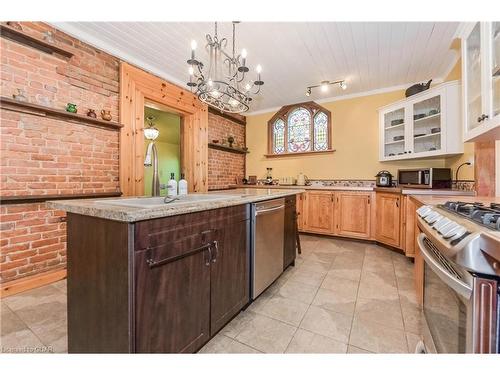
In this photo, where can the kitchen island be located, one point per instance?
(146, 276)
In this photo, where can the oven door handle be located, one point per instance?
(458, 286)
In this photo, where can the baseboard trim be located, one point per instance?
(30, 282)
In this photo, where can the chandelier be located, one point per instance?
(224, 85)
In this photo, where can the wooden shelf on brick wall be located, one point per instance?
(31, 41)
(235, 150)
(43, 198)
(44, 111)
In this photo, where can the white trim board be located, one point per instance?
(346, 97)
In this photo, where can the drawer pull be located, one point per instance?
(156, 263)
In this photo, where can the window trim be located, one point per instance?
(283, 114)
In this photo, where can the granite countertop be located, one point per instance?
(413, 191)
(308, 187)
(110, 208)
(399, 190)
(433, 200)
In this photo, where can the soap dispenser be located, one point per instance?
(183, 185)
(172, 186)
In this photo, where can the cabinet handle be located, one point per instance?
(156, 263)
(397, 202)
(368, 200)
(482, 117)
(331, 197)
(216, 247)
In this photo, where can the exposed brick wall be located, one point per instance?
(224, 167)
(45, 156)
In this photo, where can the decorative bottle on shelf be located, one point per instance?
(183, 185)
(172, 186)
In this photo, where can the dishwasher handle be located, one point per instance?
(268, 210)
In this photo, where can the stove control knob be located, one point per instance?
(441, 223)
(460, 232)
(447, 227)
(433, 217)
(454, 231)
(424, 210)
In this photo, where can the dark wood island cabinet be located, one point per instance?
(164, 285)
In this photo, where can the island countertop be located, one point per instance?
(123, 209)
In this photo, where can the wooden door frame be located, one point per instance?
(137, 87)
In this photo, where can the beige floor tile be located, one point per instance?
(286, 310)
(298, 291)
(383, 312)
(412, 341)
(377, 338)
(238, 324)
(339, 284)
(266, 334)
(328, 323)
(378, 286)
(323, 257)
(61, 285)
(348, 261)
(413, 318)
(308, 342)
(406, 290)
(354, 350)
(315, 266)
(308, 277)
(376, 264)
(353, 274)
(221, 344)
(22, 341)
(34, 297)
(342, 301)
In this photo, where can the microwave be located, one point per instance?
(426, 178)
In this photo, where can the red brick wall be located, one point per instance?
(224, 167)
(45, 156)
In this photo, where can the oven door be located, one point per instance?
(447, 301)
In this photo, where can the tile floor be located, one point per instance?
(341, 297)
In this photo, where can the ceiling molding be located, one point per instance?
(346, 97)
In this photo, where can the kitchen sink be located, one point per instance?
(153, 202)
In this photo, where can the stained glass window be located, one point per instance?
(279, 136)
(299, 130)
(303, 127)
(320, 132)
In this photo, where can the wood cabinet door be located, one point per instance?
(388, 218)
(353, 216)
(300, 211)
(319, 212)
(230, 275)
(410, 219)
(172, 298)
(290, 243)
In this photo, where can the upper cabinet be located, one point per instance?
(481, 81)
(424, 125)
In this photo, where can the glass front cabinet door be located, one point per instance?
(481, 78)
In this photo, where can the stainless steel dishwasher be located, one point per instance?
(268, 224)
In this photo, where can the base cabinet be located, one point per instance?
(290, 243)
(319, 212)
(353, 214)
(161, 286)
(388, 218)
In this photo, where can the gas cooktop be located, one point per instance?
(486, 215)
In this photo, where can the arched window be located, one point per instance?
(300, 128)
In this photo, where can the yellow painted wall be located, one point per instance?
(466, 172)
(355, 139)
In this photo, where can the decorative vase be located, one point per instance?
(70, 107)
(20, 97)
(106, 115)
(91, 113)
(230, 140)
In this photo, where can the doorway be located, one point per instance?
(168, 146)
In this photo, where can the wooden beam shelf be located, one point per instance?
(234, 117)
(235, 150)
(31, 41)
(44, 111)
(43, 198)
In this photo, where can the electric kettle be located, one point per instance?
(302, 179)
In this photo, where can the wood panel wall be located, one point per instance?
(137, 87)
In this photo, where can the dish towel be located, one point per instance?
(147, 160)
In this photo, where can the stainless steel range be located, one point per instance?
(460, 245)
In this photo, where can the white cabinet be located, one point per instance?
(481, 78)
(424, 125)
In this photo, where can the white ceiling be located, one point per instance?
(368, 55)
